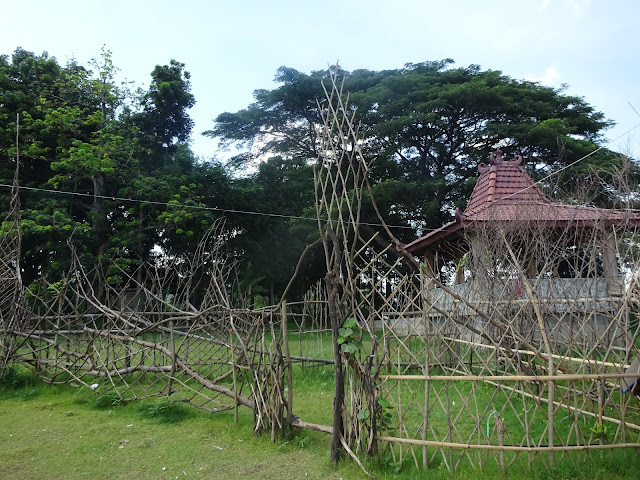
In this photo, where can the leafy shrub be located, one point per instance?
(349, 336)
(15, 377)
(108, 399)
(165, 411)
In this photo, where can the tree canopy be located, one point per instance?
(425, 128)
(427, 125)
(98, 143)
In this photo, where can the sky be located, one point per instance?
(232, 48)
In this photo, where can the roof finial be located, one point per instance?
(496, 157)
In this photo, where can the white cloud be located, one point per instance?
(544, 4)
(578, 7)
(549, 77)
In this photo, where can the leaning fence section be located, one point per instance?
(147, 339)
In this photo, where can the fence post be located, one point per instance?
(235, 379)
(173, 359)
(501, 429)
(285, 339)
(338, 400)
(427, 350)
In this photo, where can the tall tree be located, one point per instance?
(280, 121)
(427, 126)
(425, 129)
(52, 113)
(271, 244)
(164, 121)
(87, 137)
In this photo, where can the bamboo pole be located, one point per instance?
(507, 448)
(337, 367)
(285, 339)
(427, 355)
(555, 356)
(173, 359)
(235, 384)
(501, 429)
(512, 378)
(399, 408)
(297, 422)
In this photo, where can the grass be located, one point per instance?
(165, 411)
(62, 432)
(65, 432)
(163, 421)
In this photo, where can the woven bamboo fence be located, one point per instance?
(11, 304)
(518, 352)
(141, 340)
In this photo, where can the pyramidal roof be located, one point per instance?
(503, 183)
(506, 193)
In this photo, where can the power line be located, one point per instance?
(181, 205)
(292, 217)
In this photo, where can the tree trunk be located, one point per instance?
(98, 216)
(338, 400)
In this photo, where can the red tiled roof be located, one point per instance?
(503, 183)
(506, 193)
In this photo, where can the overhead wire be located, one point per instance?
(180, 205)
(292, 217)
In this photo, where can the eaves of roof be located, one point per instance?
(505, 192)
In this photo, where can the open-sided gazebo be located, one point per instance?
(512, 245)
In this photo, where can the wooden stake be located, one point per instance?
(285, 340)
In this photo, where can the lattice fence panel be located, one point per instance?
(514, 352)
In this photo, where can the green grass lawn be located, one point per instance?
(55, 432)
(60, 432)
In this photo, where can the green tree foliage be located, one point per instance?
(280, 121)
(163, 121)
(271, 245)
(428, 126)
(83, 134)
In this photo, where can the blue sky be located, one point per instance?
(234, 47)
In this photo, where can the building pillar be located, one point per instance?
(480, 265)
(532, 268)
(429, 265)
(460, 267)
(610, 268)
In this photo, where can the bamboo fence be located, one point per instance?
(516, 353)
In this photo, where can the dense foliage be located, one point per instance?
(425, 127)
(97, 141)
